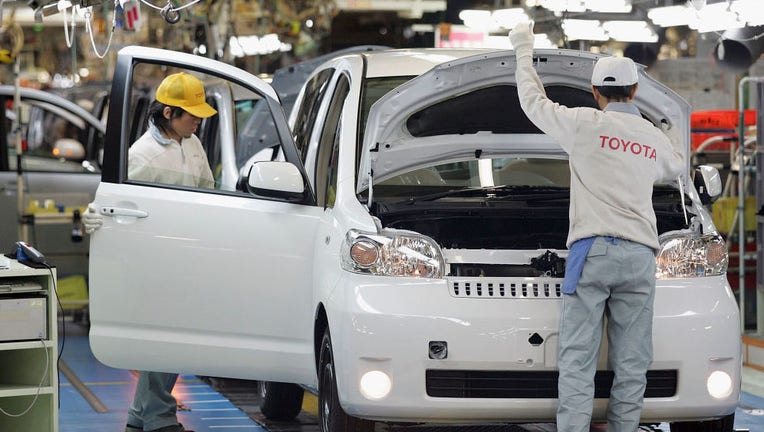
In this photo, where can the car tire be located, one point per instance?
(724, 424)
(331, 416)
(280, 401)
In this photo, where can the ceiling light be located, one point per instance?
(716, 17)
(709, 17)
(478, 19)
(509, 18)
(670, 16)
(584, 30)
(630, 31)
(751, 10)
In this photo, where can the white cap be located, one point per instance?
(614, 71)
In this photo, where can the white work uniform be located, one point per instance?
(158, 159)
(615, 157)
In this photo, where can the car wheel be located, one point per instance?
(331, 416)
(724, 424)
(280, 401)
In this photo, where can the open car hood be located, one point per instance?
(455, 112)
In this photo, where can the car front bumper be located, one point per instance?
(392, 323)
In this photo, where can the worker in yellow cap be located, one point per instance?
(170, 153)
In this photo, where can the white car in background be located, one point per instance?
(401, 248)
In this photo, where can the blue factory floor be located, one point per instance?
(206, 409)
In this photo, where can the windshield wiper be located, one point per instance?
(473, 191)
(551, 196)
(530, 193)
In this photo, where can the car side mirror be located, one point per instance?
(708, 183)
(276, 179)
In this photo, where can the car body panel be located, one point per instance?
(395, 150)
(149, 276)
(163, 298)
(425, 311)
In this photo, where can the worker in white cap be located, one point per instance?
(615, 157)
(168, 152)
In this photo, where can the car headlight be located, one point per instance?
(392, 253)
(691, 256)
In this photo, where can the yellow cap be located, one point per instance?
(187, 92)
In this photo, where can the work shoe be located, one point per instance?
(174, 428)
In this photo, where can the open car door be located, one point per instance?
(208, 281)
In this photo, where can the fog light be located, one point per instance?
(375, 385)
(719, 384)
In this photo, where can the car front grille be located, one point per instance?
(505, 288)
(530, 385)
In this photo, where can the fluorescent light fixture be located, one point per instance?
(670, 16)
(576, 29)
(710, 17)
(751, 10)
(241, 46)
(488, 21)
(478, 19)
(716, 17)
(630, 31)
(509, 18)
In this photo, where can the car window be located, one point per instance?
(328, 147)
(52, 138)
(373, 89)
(258, 135)
(315, 89)
(229, 140)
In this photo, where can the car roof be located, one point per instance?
(412, 62)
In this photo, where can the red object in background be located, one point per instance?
(707, 124)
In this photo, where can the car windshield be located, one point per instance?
(511, 171)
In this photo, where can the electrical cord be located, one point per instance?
(39, 386)
(169, 5)
(89, 28)
(61, 307)
(63, 324)
(69, 40)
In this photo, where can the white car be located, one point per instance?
(402, 250)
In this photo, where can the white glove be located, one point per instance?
(91, 219)
(522, 39)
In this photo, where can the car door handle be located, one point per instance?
(117, 211)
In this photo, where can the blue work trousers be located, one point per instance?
(617, 283)
(153, 405)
